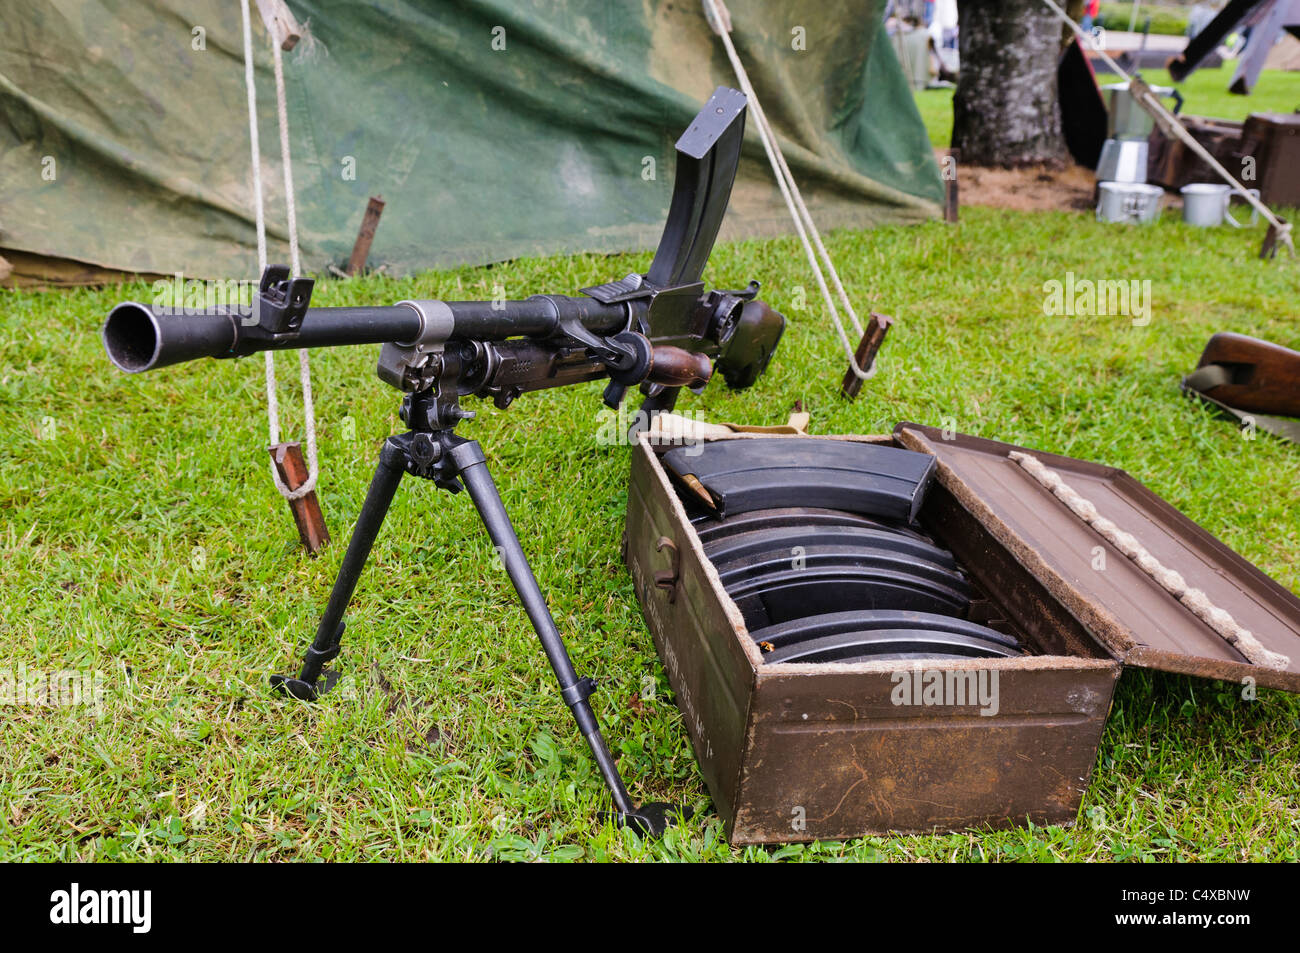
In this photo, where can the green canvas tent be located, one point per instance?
(491, 128)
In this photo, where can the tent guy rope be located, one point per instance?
(304, 361)
(719, 18)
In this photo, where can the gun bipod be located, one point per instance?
(453, 463)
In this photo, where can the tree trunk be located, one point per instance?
(1005, 110)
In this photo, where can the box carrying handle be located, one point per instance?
(666, 579)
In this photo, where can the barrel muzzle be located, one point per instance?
(140, 338)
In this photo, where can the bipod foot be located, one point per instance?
(649, 820)
(302, 689)
(315, 679)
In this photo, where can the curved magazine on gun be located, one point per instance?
(708, 153)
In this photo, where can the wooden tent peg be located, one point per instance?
(872, 338)
(306, 511)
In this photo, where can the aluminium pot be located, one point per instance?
(1131, 203)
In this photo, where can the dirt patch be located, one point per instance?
(1034, 188)
(1037, 189)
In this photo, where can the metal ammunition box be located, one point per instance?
(800, 752)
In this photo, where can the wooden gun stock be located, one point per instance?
(1252, 375)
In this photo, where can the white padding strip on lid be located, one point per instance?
(1197, 602)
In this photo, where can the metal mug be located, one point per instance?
(1205, 205)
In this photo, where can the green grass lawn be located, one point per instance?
(1205, 91)
(1165, 18)
(143, 540)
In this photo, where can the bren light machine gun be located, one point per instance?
(659, 330)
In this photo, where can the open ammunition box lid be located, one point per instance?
(1131, 613)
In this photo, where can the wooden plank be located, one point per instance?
(307, 516)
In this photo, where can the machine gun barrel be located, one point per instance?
(140, 337)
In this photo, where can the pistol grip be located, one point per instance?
(678, 367)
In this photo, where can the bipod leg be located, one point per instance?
(388, 474)
(471, 466)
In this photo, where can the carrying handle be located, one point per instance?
(666, 579)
